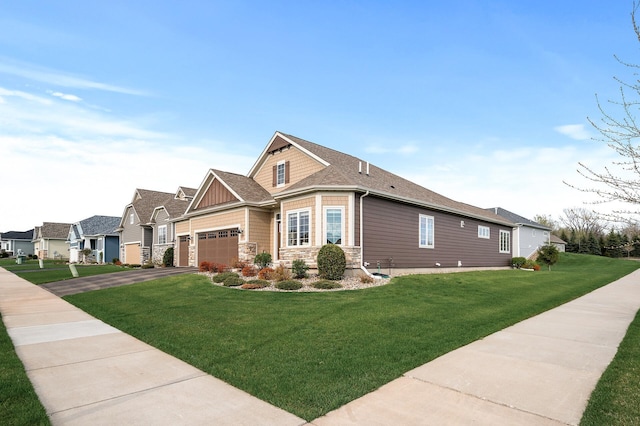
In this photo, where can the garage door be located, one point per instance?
(132, 254)
(218, 246)
(183, 251)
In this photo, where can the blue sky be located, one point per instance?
(485, 102)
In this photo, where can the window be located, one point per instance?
(298, 228)
(333, 225)
(162, 234)
(484, 231)
(426, 231)
(505, 241)
(281, 173)
(131, 219)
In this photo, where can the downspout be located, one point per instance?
(362, 238)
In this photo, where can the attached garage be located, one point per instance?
(132, 254)
(218, 246)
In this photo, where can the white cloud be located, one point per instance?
(65, 96)
(574, 131)
(58, 78)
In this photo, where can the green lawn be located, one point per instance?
(616, 398)
(55, 270)
(19, 404)
(310, 353)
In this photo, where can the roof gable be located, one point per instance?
(54, 231)
(99, 225)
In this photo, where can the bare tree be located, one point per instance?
(582, 221)
(546, 220)
(620, 131)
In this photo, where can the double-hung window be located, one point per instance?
(162, 234)
(426, 232)
(298, 228)
(484, 232)
(334, 225)
(505, 241)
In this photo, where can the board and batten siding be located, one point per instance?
(391, 231)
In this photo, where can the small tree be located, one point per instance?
(86, 252)
(548, 254)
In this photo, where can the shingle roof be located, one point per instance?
(146, 201)
(248, 189)
(100, 225)
(17, 235)
(517, 219)
(347, 170)
(54, 231)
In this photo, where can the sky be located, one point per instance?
(485, 102)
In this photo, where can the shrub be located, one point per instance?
(260, 283)
(331, 262)
(232, 281)
(249, 271)
(148, 265)
(167, 257)
(517, 262)
(247, 286)
(365, 279)
(115, 261)
(205, 266)
(4, 254)
(326, 285)
(530, 264)
(289, 285)
(223, 276)
(281, 273)
(262, 259)
(238, 264)
(299, 268)
(265, 273)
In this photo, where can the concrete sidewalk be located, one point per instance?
(89, 373)
(540, 371)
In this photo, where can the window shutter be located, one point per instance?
(275, 176)
(286, 172)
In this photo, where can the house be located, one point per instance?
(560, 244)
(17, 242)
(97, 233)
(145, 228)
(163, 229)
(50, 241)
(299, 196)
(528, 235)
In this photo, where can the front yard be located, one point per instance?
(310, 353)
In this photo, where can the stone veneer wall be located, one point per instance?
(158, 253)
(310, 255)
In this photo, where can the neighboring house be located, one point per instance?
(299, 196)
(97, 233)
(163, 228)
(50, 241)
(528, 235)
(145, 228)
(559, 243)
(17, 242)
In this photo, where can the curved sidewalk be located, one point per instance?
(86, 372)
(540, 371)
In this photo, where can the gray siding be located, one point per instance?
(161, 219)
(531, 239)
(391, 231)
(130, 232)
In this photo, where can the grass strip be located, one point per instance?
(19, 404)
(42, 276)
(616, 399)
(310, 353)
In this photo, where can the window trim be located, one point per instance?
(325, 210)
(298, 213)
(131, 218)
(482, 233)
(504, 241)
(281, 165)
(432, 234)
(160, 233)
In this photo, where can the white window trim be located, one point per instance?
(433, 228)
(284, 173)
(482, 233)
(325, 209)
(508, 234)
(131, 219)
(166, 235)
(286, 236)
